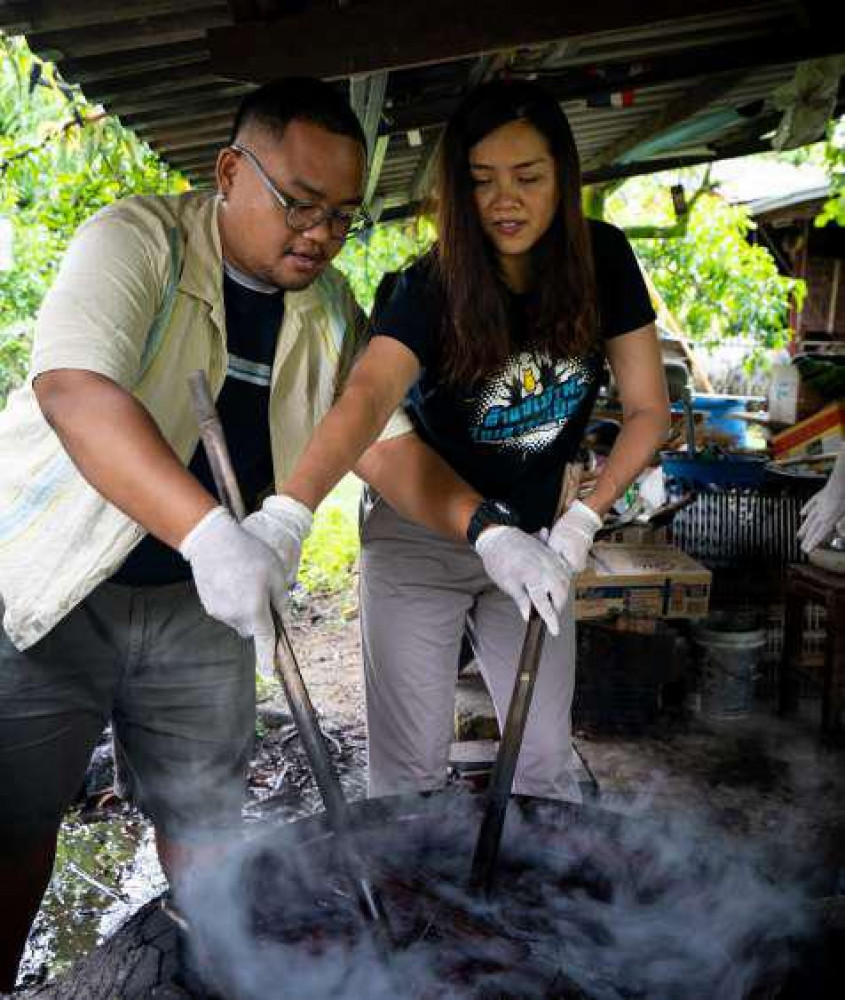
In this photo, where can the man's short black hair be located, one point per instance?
(301, 98)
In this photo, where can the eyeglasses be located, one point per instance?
(304, 215)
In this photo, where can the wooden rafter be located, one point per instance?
(697, 62)
(59, 15)
(345, 41)
(129, 36)
(243, 10)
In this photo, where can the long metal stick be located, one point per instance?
(501, 782)
(286, 666)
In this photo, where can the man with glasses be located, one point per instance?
(128, 594)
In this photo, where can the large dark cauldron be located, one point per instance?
(589, 905)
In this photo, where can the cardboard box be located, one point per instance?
(820, 434)
(636, 534)
(642, 581)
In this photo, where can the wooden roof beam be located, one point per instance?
(126, 36)
(701, 61)
(385, 35)
(60, 15)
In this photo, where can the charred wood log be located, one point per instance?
(142, 960)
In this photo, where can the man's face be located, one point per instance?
(308, 164)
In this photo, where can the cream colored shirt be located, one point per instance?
(109, 312)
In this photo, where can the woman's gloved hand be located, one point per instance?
(824, 513)
(527, 570)
(572, 535)
(239, 578)
(282, 523)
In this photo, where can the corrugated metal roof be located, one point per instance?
(696, 79)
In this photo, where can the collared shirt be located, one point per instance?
(108, 312)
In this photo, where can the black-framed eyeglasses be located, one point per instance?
(304, 215)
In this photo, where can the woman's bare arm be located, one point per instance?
(420, 485)
(637, 366)
(375, 387)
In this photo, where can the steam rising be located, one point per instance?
(588, 905)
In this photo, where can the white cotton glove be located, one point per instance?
(824, 513)
(572, 535)
(239, 578)
(526, 570)
(282, 523)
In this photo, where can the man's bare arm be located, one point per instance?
(118, 448)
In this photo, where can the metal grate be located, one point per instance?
(741, 529)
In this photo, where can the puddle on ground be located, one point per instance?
(106, 864)
(105, 869)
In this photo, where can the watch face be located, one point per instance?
(490, 512)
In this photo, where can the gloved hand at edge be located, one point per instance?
(824, 513)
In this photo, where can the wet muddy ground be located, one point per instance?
(106, 867)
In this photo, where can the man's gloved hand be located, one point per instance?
(572, 535)
(824, 513)
(239, 578)
(282, 523)
(527, 570)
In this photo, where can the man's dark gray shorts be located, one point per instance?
(178, 687)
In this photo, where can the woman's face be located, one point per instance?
(516, 191)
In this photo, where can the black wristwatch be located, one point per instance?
(490, 512)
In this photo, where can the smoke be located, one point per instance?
(588, 904)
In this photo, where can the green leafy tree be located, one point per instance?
(833, 211)
(61, 159)
(385, 248)
(716, 283)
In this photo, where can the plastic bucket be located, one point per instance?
(730, 655)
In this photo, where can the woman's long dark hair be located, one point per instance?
(563, 320)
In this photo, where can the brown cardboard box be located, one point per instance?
(643, 581)
(636, 534)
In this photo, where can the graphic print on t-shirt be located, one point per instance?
(530, 401)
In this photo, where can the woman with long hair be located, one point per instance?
(496, 341)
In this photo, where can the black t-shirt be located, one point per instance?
(509, 435)
(253, 319)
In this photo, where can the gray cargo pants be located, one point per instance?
(417, 592)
